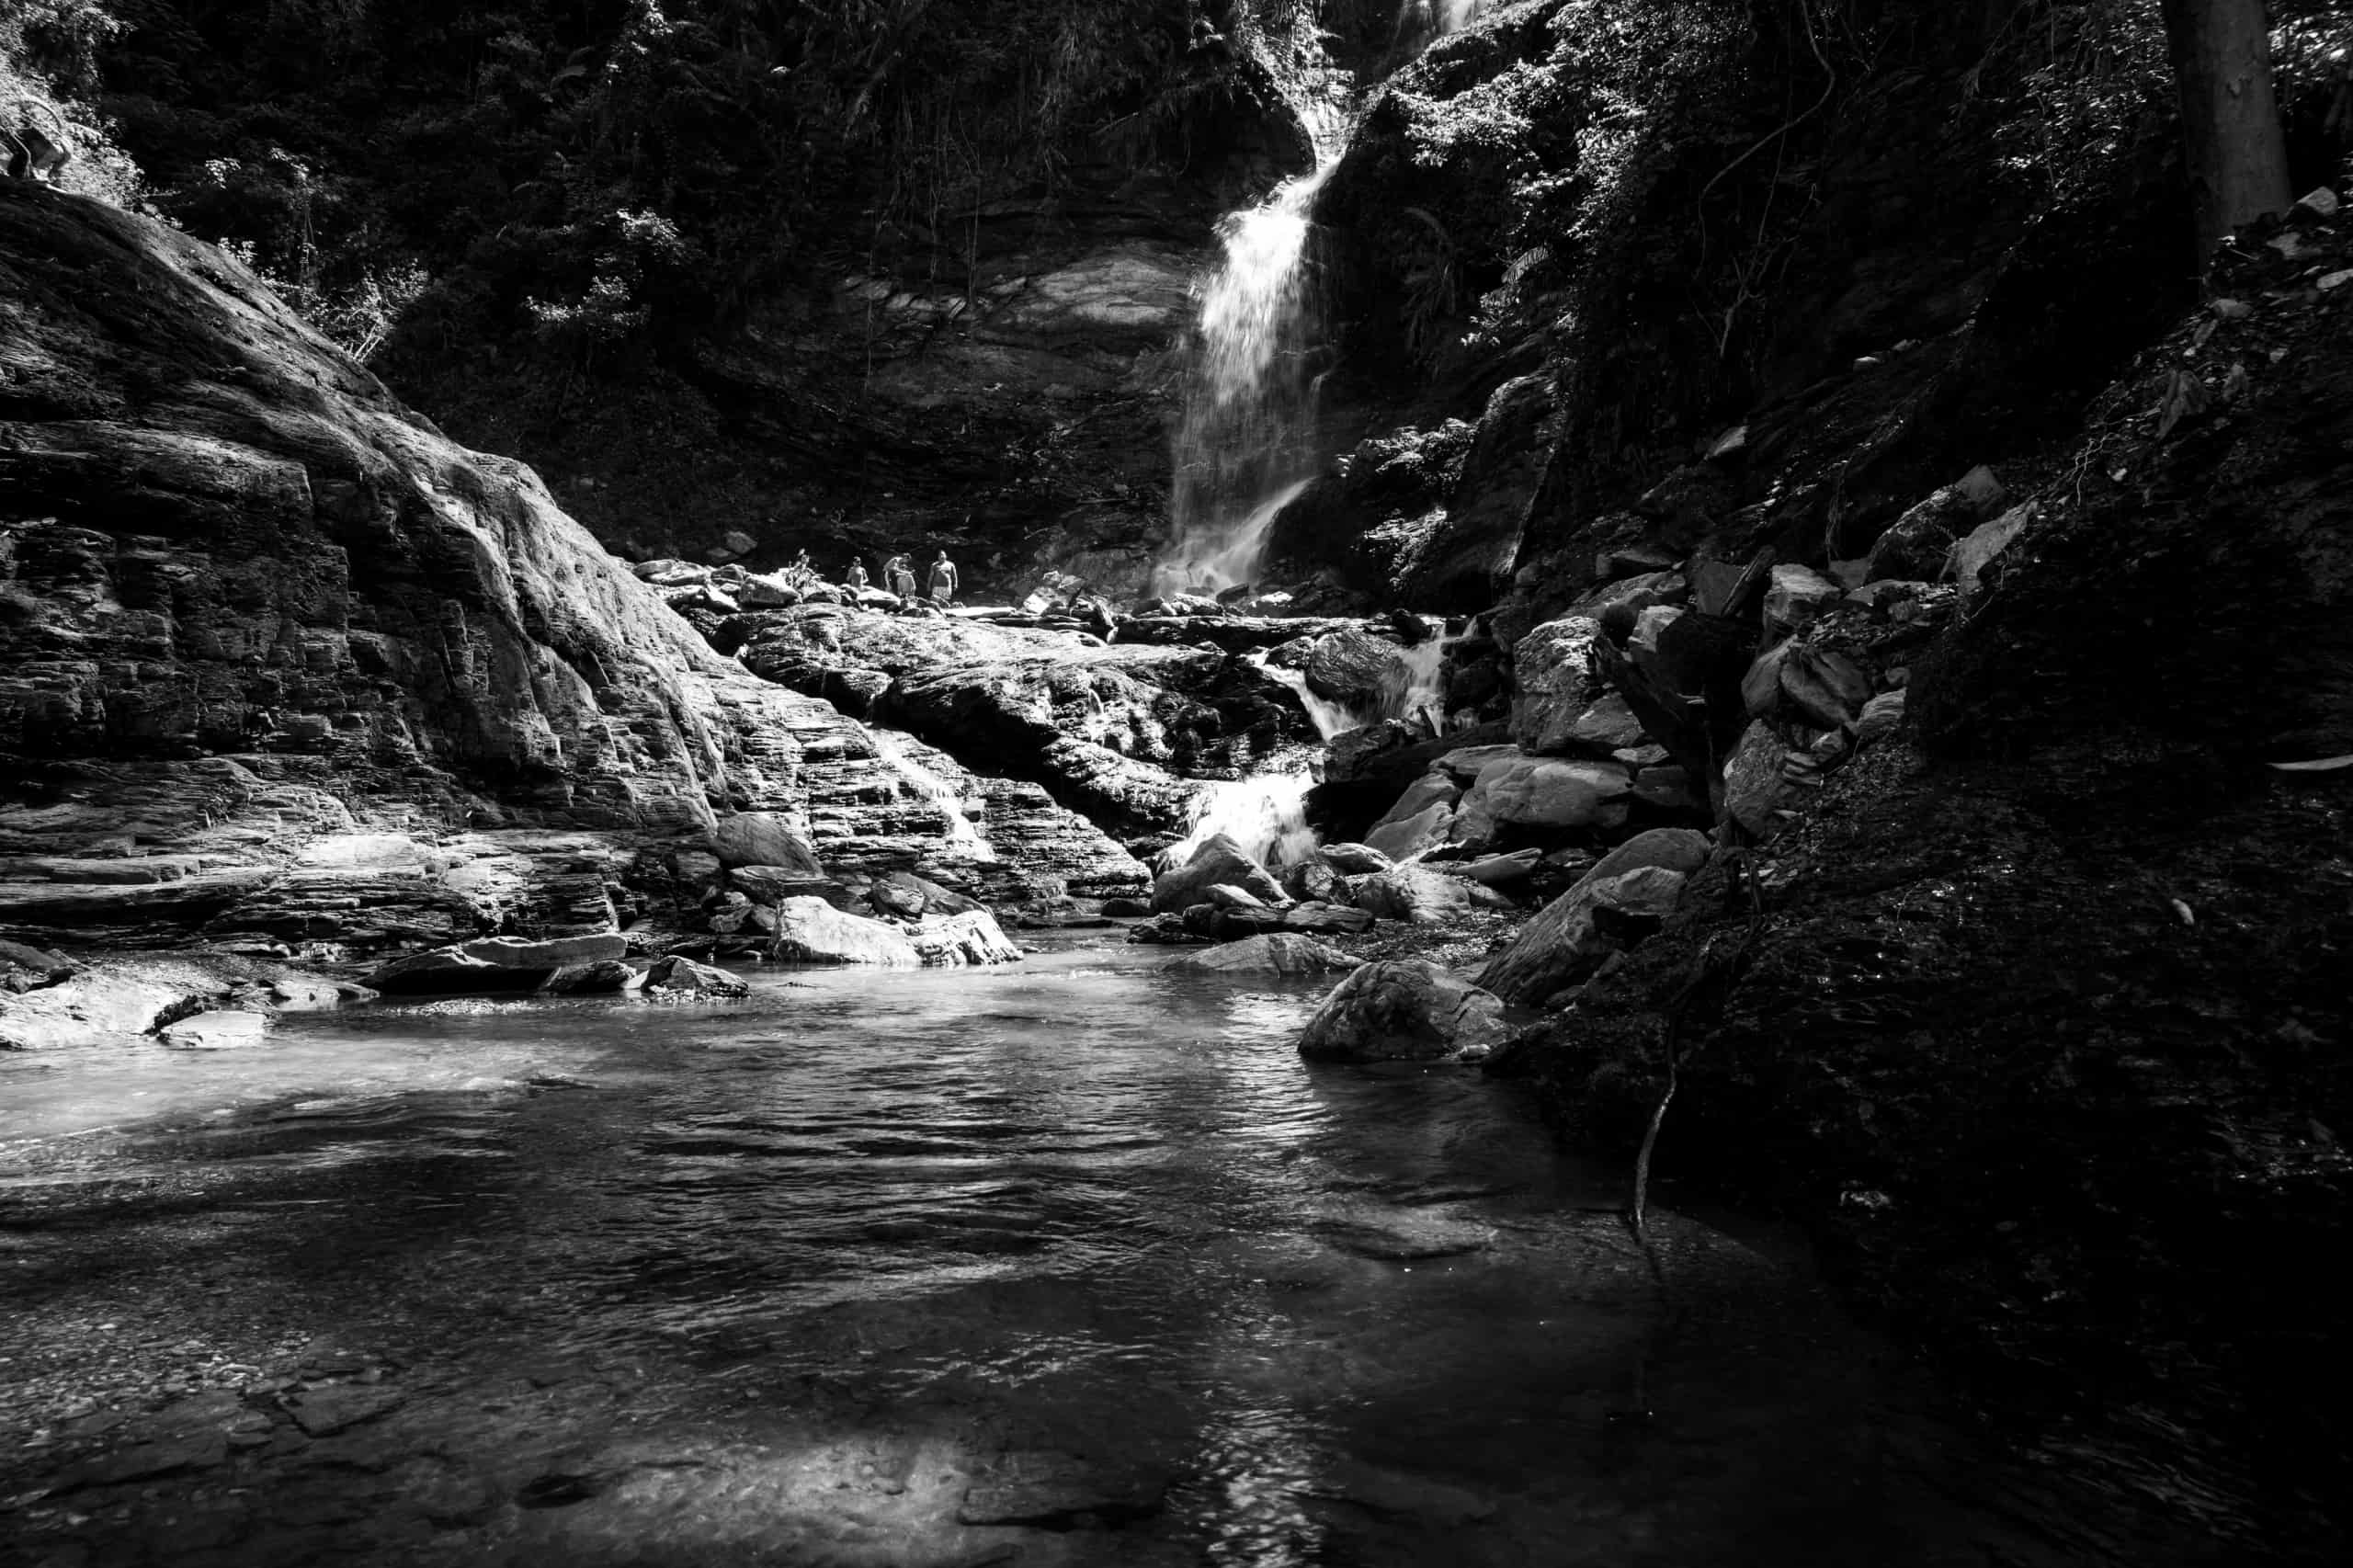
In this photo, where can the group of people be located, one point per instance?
(941, 582)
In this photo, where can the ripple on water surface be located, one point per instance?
(1075, 1258)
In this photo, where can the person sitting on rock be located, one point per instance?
(854, 578)
(943, 583)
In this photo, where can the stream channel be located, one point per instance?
(1072, 1262)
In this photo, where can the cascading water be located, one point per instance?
(1419, 692)
(1244, 446)
(964, 840)
(1265, 815)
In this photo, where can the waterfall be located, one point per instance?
(919, 781)
(1245, 442)
(1244, 445)
(1422, 687)
(1267, 815)
(1329, 718)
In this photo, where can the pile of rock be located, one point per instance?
(563, 966)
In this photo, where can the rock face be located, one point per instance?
(1403, 1010)
(223, 536)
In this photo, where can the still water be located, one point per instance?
(1072, 1262)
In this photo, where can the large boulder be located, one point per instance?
(1541, 796)
(1403, 1010)
(763, 838)
(1412, 894)
(1355, 669)
(676, 975)
(1759, 793)
(1566, 943)
(1281, 952)
(810, 930)
(1554, 672)
(970, 937)
(774, 884)
(1218, 860)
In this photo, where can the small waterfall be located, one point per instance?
(1329, 718)
(1267, 815)
(899, 751)
(1421, 689)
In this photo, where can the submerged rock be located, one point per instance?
(1278, 953)
(1403, 1010)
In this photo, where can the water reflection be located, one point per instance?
(1074, 1261)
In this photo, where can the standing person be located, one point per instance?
(854, 578)
(943, 583)
(800, 574)
(901, 578)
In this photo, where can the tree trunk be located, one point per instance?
(2230, 121)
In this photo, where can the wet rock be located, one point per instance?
(124, 998)
(1353, 859)
(970, 937)
(1465, 763)
(1404, 1009)
(25, 968)
(1218, 860)
(763, 838)
(1557, 684)
(600, 977)
(1225, 896)
(1276, 953)
(676, 974)
(1412, 893)
(146, 1461)
(810, 930)
(1566, 943)
(1126, 908)
(1355, 669)
(449, 972)
(217, 1030)
(519, 952)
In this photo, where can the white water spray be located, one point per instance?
(1420, 688)
(899, 751)
(1267, 815)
